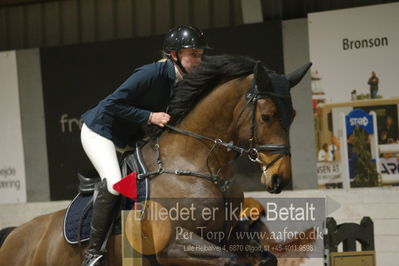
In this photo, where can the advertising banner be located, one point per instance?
(12, 167)
(359, 119)
(354, 55)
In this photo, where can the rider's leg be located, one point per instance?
(102, 154)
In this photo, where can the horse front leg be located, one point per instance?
(189, 248)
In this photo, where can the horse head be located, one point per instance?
(263, 120)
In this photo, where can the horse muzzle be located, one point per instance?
(274, 182)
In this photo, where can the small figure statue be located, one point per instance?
(373, 82)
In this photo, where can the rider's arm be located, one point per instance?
(120, 102)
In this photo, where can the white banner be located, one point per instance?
(12, 166)
(389, 166)
(347, 45)
(328, 172)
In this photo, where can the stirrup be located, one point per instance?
(93, 259)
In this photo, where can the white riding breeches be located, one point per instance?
(102, 154)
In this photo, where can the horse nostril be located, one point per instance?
(276, 180)
(277, 183)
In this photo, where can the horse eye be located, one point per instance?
(267, 118)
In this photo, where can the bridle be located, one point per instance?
(252, 96)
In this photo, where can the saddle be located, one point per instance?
(87, 181)
(77, 218)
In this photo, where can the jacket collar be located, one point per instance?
(171, 70)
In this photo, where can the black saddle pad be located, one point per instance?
(78, 215)
(77, 219)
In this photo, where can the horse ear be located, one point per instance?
(296, 76)
(262, 79)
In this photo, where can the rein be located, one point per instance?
(252, 152)
(223, 184)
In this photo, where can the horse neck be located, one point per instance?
(213, 115)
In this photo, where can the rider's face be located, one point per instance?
(190, 58)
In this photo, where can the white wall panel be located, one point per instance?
(33, 124)
(12, 166)
(302, 137)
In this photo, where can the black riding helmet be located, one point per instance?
(184, 37)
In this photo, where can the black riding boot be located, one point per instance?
(103, 210)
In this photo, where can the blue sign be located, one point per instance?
(359, 119)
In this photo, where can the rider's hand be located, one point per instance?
(159, 119)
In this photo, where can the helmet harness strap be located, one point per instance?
(178, 62)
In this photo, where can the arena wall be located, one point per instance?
(302, 137)
(380, 204)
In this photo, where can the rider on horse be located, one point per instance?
(115, 122)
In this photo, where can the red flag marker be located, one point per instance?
(127, 186)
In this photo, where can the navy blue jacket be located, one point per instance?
(119, 116)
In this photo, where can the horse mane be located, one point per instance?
(212, 71)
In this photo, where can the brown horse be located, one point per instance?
(229, 106)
